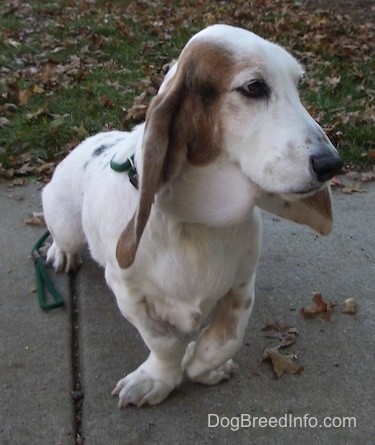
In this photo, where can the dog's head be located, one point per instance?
(233, 95)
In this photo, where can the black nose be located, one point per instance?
(326, 166)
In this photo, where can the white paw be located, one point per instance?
(62, 260)
(140, 388)
(217, 375)
(210, 377)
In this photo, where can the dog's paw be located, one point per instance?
(140, 388)
(62, 261)
(217, 375)
(192, 364)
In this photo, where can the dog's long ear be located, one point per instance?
(179, 127)
(314, 211)
(156, 167)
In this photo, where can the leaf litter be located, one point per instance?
(320, 37)
(286, 335)
(282, 363)
(321, 309)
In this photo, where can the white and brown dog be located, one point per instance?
(226, 134)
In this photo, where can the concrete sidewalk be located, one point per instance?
(36, 404)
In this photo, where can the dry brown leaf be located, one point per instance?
(81, 131)
(4, 122)
(356, 187)
(282, 363)
(322, 308)
(107, 102)
(286, 334)
(350, 306)
(37, 89)
(368, 176)
(37, 219)
(37, 113)
(137, 112)
(23, 97)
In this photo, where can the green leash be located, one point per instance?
(43, 280)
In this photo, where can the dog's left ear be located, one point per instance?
(314, 211)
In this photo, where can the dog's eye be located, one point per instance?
(256, 89)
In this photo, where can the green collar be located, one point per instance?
(127, 166)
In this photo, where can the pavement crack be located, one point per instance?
(77, 390)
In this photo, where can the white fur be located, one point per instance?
(200, 248)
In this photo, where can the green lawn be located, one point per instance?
(71, 68)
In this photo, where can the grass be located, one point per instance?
(71, 69)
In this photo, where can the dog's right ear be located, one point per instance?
(181, 125)
(159, 164)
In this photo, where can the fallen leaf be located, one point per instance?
(350, 306)
(4, 122)
(24, 169)
(23, 97)
(356, 187)
(37, 219)
(37, 113)
(16, 197)
(333, 81)
(81, 131)
(282, 363)
(37, 89)
(286, 334)
(322, 308)
(368, 176)
(107, 102)
(137, 112)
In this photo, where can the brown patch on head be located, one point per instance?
(206, 71)
(182, 123)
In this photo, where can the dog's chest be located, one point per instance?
(191, 267)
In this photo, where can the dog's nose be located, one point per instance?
(325, 166)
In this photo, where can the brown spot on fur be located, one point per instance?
(156, 326)
(200, 64)
(181, 123)
(248, 303)
(223, 327)
(236, 304)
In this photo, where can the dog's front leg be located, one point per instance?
(209, 359)
(162, 372)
